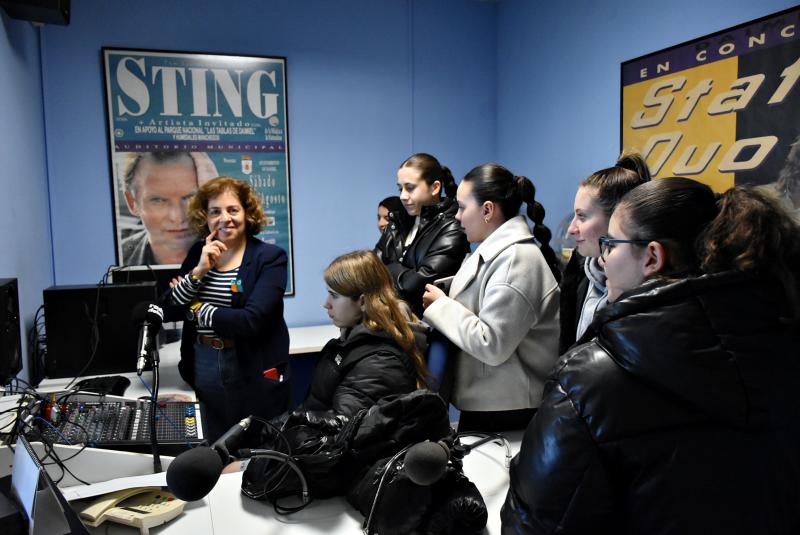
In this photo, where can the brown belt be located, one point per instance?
(215, 341)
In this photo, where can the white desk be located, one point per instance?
(225, 510)
(302, 340)
(310, 339)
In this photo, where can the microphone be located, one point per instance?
(193, 473)
(231, 440)
(425, 463)
(149, 317)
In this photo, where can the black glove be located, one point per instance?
(458, 507)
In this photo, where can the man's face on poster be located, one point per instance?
(160, 196)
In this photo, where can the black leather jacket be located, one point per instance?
(680, 416)
(437, 251)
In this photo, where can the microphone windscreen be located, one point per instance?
(147, 312)
(426, 462)
(194, 473)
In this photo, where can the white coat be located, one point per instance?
(502, 312)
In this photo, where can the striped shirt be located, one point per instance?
(214, 290)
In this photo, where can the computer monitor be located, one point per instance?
(90, 330)
(161, 274)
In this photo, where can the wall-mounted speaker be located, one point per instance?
(44, 11)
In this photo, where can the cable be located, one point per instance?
(51, 452)
(178, 429)
(94, 335)
(286, 461)
(386, 469)
(486, 437)
(54, 428)
(37, 346)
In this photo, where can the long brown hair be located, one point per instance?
(362, 273)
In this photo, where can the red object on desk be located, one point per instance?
(273, 374)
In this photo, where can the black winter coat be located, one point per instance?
(680, 417)
(437, 251)
(354, 373)
(574, 286)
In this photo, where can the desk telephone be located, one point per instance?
(141, 507)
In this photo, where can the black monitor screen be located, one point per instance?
(90, 330)
(162, 275)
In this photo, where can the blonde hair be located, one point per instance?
(362, 273)
(255, 218)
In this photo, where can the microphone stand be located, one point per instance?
(153, 408)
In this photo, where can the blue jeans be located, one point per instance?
(227, 395)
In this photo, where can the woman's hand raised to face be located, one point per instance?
(210, 254)
(432, 293)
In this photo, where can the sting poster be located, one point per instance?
(723, 109)
(176, 120)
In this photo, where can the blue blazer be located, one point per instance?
(254, 321)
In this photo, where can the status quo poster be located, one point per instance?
(723, 109)
(176, 120)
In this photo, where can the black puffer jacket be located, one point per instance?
(354, 373)
(680, 417)
(437, 251)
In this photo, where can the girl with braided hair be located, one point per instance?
(502, 308)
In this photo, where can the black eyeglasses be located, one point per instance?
(607, 244)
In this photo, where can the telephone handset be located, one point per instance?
(140, 507)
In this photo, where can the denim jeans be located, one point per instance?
(227, 395)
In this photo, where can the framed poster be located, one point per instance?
(723, 109)
(178, 119)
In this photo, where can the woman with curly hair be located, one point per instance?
(235, 342)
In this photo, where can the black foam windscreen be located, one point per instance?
(193, 473)
(148, 312)
(426, 462)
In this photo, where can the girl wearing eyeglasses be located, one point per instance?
(583, 288)
(680, 416)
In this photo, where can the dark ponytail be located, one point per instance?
(612, 183)
(493, 182)
(431, 170)
(449, 185)
(673, 212)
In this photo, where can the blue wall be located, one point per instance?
(534, 85)
(369, 83)
(24, 211)
(559, 83)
